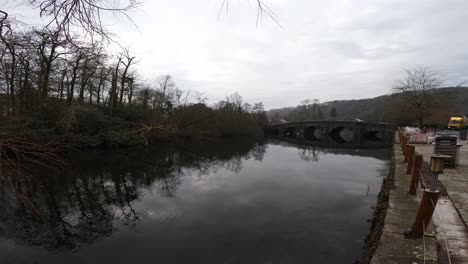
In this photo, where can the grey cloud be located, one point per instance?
(337, 49)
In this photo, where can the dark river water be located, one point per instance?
(220, 202)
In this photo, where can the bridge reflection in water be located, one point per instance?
(335, 134)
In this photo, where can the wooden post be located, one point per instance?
(418, 160)
(424, 215)
(428, 201)
(411, 151)
(406, 152)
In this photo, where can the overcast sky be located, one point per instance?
(334, 49)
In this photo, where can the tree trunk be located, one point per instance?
(124, 77)
(113, 99)
(90, 93)
(130, 92)
(25, 89)
(62, 84)
(45, 82)
(73, 81)
(12, 85)
(83, 82)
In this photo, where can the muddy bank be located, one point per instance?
(380, 211)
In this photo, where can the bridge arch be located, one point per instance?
(290, 132)
(342, 134)
(373, 136)
(312, 133)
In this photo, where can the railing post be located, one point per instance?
(428, 201)
(424, 214)
(402, 140)
(406, 152)
(415, 174)
(411, 151)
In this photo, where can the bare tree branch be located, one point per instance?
(85, 14)
(262, 9)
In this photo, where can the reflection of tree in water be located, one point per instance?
(258, 151)
(202, 161)
(63, 210)
(60, 218)
(308, 153)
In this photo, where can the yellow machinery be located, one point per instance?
(457, 122)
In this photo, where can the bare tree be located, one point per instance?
(417, 91)
(305, 107)
(200, 98)
(8, 39)
(113, 91)
(84, 14)
(103, 77)
(165, 84)
(181, 97)
(127, 60)
(236, 100)
(75, 66)
(49, 42)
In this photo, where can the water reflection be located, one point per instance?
(219, 202)
(80, 205)
(312, 152)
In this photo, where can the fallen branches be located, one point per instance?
(15, 153)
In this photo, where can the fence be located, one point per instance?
(428, 201)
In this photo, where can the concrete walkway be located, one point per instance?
(455, 180)
(451, 214)
(393, 247)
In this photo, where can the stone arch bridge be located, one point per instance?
(335, 133)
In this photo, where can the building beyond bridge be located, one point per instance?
(335, 133)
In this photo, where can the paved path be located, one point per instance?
(454, 180)
(393, 247)
(452, 212)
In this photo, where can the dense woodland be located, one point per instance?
(55, 87)
(450, 101)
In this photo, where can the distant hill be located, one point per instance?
(451, 101)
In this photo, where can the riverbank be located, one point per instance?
(446, 238)
(378, 220)
(393, 247)
(91, 126)
(394, 213)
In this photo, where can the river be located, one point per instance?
(218, 202)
